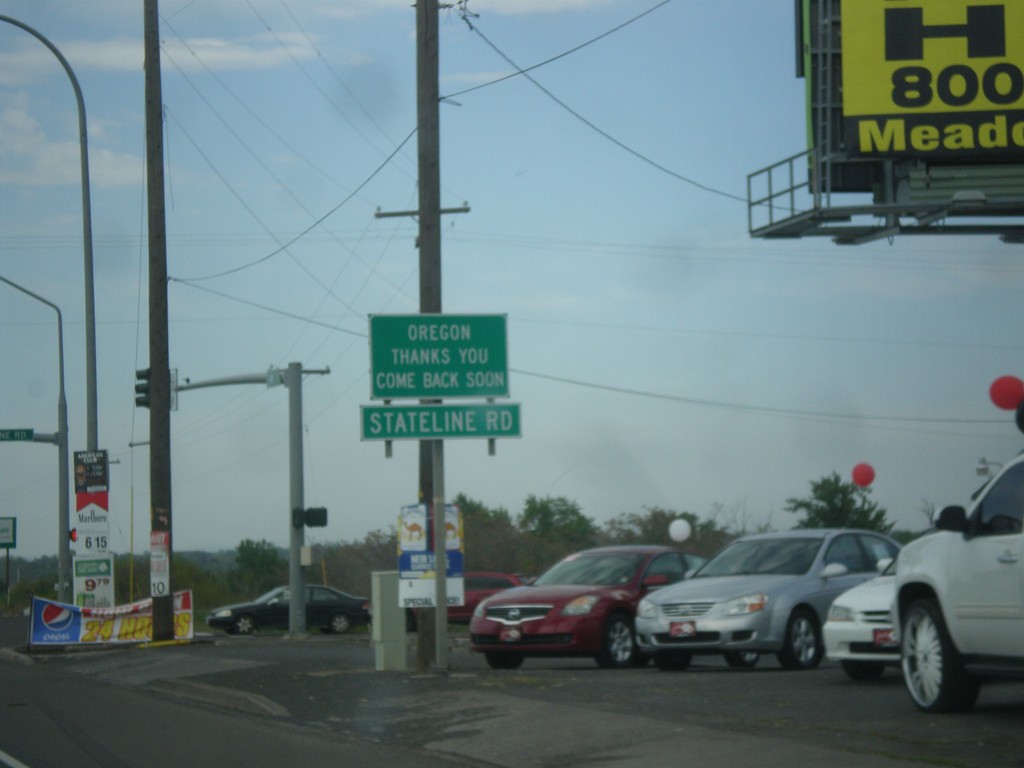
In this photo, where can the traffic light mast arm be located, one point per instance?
(272, 377)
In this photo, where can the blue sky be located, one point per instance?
(661, 356)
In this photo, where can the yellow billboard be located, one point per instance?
(934, 78)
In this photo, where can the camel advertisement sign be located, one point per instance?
(416, 561)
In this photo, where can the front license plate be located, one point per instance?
(682, 629)
(511, 635)
(884, 639)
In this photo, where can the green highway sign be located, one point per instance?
(8, 533)
(439, 422)
(429, 356)
(16, 434)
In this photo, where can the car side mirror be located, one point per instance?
(952, 519)
(883, 563)
(834, 569)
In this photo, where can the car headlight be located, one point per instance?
(647, 609)
(478, 612)
(840, 613)
(581, 606)
(221, 613)
(746, 604)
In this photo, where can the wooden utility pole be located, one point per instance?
(431, 451)
(161, 550)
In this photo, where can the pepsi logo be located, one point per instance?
(57, 618)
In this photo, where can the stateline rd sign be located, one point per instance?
(427, 356)
(439, 422)
(7, 435)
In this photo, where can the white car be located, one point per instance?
(859, 630)
(960, 596)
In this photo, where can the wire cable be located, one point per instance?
(312, 226)
(600, 131)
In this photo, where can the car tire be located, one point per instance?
(243, 624)
(672, 661)
(618, 647)
(742, 659)
(497, 660)
(932, 668)
(339, 623)
(802, 648)
(862, 670)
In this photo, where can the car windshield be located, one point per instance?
(599, 569)
(277, 593)
(763, 556)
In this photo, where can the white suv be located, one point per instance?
(960, 597)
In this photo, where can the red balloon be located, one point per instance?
(1007, 392)
(863, 475)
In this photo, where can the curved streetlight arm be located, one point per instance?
(61, 439)
(90, 300)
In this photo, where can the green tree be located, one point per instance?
(835, 503)
(348, 565)
(557, 519)
(491, 537)
(707, 535)
(258, 567)
(550, 529)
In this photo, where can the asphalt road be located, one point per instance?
(274, 701)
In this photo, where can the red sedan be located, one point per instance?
(480, 585)
(582, 606)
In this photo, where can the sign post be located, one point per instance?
(8, 541)
(430, 357)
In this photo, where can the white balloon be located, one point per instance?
(679, 530)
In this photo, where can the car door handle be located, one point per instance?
(1008, 557)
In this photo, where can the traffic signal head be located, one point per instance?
(73, 534)
(142, 382)
(315, 517)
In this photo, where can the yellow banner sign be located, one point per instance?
(934, 78)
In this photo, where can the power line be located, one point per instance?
(464, 12)
(720, 404)
(757, 408)
(303, 318)
(600, 131)
(312, 226)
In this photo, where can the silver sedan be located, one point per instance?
(767, 593)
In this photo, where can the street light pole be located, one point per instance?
(90, 297)
(61, 438)
(296, 498)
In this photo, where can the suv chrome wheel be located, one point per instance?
(932, 668)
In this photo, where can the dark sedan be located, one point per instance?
(327, 609)
(582, 606)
